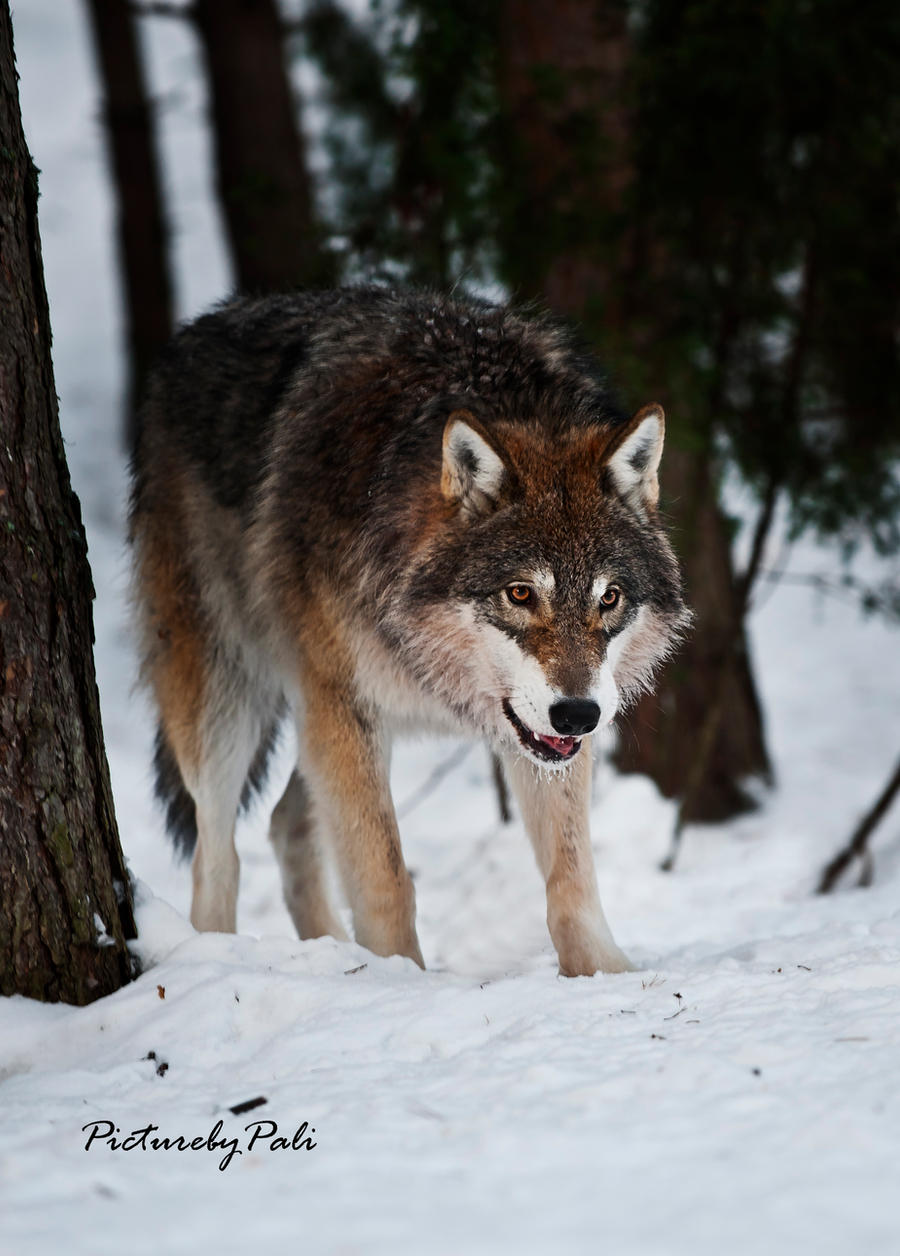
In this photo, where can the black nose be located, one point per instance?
(574, 716)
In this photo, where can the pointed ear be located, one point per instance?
(473, 472)
(634, 462)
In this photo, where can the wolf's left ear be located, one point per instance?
(473, 472)
(634, 462)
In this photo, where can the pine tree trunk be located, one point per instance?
(562, 67)
(564, 91)
(659, 734)
(65, 902)
(263, 183)
(141, 227)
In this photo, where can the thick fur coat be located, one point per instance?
(377, 512)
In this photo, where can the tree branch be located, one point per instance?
(434, 778)
(502, 790)
(857, 847)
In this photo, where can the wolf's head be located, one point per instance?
(552, 593)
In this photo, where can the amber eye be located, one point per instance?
(520, 594)
(610, 597)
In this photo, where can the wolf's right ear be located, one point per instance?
(473, 472)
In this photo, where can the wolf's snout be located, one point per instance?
(574, 716)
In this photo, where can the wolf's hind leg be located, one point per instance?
(297, 841)
(215, 870)
(203, 761)
(555, 807)
(216, 786)
(213, 697)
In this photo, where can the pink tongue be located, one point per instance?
(562, 745)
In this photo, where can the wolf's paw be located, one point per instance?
(611, 962)
(582, 953)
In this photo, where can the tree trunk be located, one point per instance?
(565, 154)
(65, 902)
(659, 734)
(263, 183)
(564, 93)
(141, 227)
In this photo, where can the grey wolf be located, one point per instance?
(374, 512)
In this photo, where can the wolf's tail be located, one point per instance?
(170, 789)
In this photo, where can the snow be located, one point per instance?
(737, 1094)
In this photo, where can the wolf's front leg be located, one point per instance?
(347, 771)
(555, 807)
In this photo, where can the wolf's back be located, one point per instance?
(212, 397)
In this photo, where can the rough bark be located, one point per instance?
(262, 177)
(564, 90)
(140, 220)
(65, 904)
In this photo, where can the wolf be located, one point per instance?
(374, 512)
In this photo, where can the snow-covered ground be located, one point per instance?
(739, 1094)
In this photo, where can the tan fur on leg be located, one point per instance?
(296, 838)
(216, 789)
(215, 870)
(555, 809)
(348, 777)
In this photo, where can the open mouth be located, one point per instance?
(548, 749)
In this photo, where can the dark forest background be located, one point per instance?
(711, 191)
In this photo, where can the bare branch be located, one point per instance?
(857, 847)
(760, 536)
(882, 599)
(502, 790)
(434, 778)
